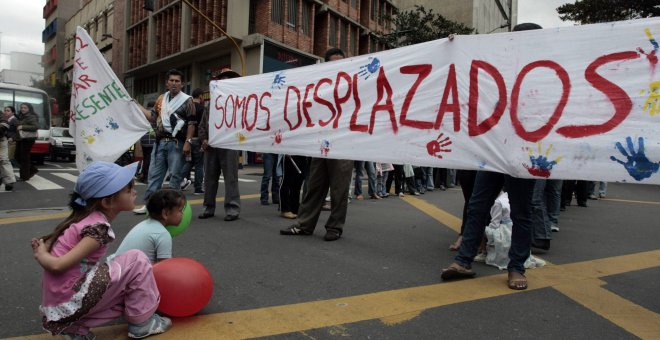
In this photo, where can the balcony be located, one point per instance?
(49, 8)
(49, 31)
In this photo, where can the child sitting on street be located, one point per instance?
(165, 207)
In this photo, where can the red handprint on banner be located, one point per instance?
(436, 147)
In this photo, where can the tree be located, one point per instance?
(595, 11)
(419, 25)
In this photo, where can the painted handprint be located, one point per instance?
(541, 166)
(279, 81)
(112, 124)
(652, 104)
(436, 146)
(372, 67)
(637, 165)
(325, 147)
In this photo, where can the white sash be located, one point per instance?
(168, 107)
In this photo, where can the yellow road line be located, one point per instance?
(61, 215)
(635, 319)
(628, 201)
(390, 305)
(451, 221)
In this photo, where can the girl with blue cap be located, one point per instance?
(80, 288)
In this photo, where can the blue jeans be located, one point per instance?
(197, 161)
(371, 177)
(271, 169)
(540, 221)
(553, 199)
(429, 179)
(487, 187)
(166, 155)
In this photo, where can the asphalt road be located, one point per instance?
(381, 280)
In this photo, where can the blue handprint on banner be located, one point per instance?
(279, 81)
(541, 165)
(372, 67)
(637, 165)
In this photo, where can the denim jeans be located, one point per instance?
(381, 184)
(197, 161)
(271, 169)
(371, 177)
(487, 187)
(166, 155)
(602, 188)
(540, 221)
(429, 178)
(553, 199)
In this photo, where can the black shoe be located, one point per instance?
(206, 214)
(9, 187)
(542, 244)
(265, 203)
(331, 235)
(294, 230)
(230, 218)
(562, 208)
(582, 204)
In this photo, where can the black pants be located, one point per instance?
(27, 170)
(466, 178)
(581, 189)
(292, 182)
(398, 177)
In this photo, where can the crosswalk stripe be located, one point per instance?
(41, 183)
(67, 176)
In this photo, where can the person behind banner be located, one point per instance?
(147, 142)
(216, 160)
(334, 174)
(196, 158)
(165, 207)
(487, 187)
(82, 289)
(173, 113)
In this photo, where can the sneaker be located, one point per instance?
(140, 211)
(294, 230)
(601, 195)
(185, 184)
(156, 324)
(402, 194)
(331, 235)
(326, 206)
(198, 192)
(73, 336)
(481, 257)
(593, 197)
(554, 228)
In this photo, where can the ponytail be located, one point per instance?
(78, 212)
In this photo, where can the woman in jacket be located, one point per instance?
(26, 128)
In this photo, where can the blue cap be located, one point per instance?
(101, 179)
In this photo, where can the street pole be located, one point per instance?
(238, 49)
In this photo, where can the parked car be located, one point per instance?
(61, 144)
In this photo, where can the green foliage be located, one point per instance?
(595, 11)
(419, 25)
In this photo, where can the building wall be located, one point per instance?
(97, 18)
(24, 78)
(53, 59)
(483, 15)
(26, 62)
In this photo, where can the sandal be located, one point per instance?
(455, 271)
(517, 281)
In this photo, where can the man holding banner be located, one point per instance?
(173, 113)
(324, 173)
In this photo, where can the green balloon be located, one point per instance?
(185, 222)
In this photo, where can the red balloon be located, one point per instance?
(185, 286)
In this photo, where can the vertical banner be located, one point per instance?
(105, 122)
(567, 103)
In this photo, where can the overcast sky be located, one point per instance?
(21, 23)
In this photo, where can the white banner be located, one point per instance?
(569, 103)
(104, 120)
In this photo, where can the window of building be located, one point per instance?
(252, 19)
(277, 13)
(343, 36)
(354, 41)
(306, 18)
(332, 35)
(374, 9)
(354, 3)
(292, 14)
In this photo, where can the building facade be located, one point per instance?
(271, 35)
(23, 69)
(56, 13)
(485, 16)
